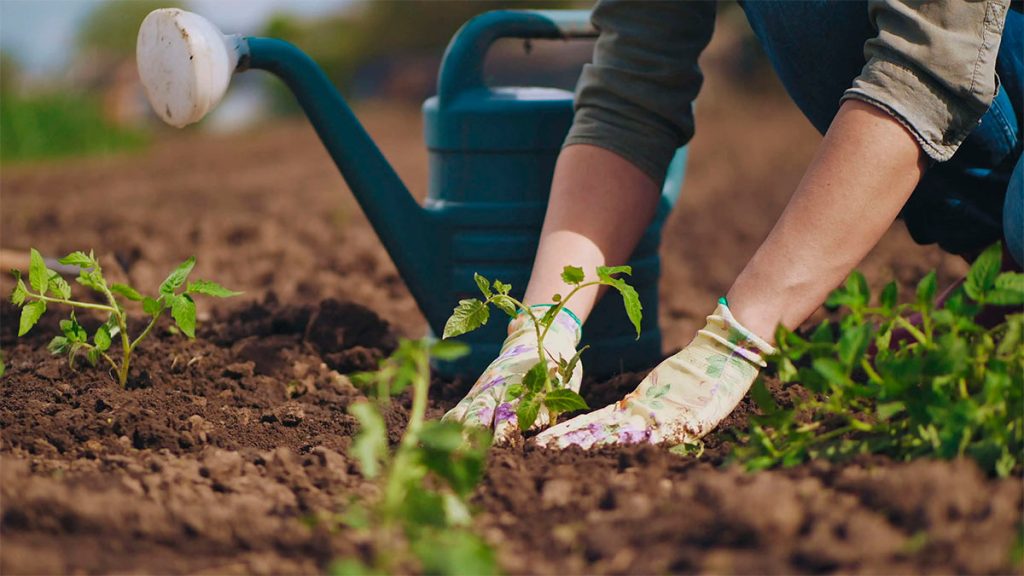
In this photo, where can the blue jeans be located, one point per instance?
(964, 204)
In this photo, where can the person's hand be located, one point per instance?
(682, 399)
(486, 404)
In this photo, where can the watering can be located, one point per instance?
(492, 153)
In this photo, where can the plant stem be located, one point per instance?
(73, 303)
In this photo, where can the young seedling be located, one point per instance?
(950, 388)
(47, 287)
(541, 386)
(422, 515)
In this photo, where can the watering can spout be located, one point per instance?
(179, 51)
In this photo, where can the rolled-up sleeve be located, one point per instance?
(636, 97)
(932, 67)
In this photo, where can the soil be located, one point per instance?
(223, 451)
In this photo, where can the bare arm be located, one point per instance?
(864, 171)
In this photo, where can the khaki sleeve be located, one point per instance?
(636, 98)
(932, 67)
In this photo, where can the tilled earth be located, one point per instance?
(223, 451)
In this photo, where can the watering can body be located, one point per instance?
(492, 155)
(492, 152)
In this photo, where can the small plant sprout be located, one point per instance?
(542, 386)
(421, 518)
(944, 386)
(47, 287)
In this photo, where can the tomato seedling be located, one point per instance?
(950, 387)
(422, 514)
(48, 287)
(542, 386)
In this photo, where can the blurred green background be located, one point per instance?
(69, 85)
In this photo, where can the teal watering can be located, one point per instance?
(492, 153)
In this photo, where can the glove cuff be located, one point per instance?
(723, 328)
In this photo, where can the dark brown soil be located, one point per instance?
(224, 451)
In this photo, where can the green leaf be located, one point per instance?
(469, 315)
(59, 286)
(572, 275)
(73, 331)
(370, 445)
(513, 392)
(569, 367)
(483, 284)
(3, 367)
(889, 297)
(534, 378)
(831, 370)
(91, 279)
(177, 278)
(449, 350)
(926, 290)
(38, 274)
(58, 346)
(151, 306)
(454, 552)
(93, 356)
(1010, 281)
(456, 453)
(763, 397)
(80, 259)
(210, 288)
(982, 275)
(126, 291)
(527, 411)
(30, 314)
(1000, 297)
(505, 304)
(102, 338)
(183, 309)
(564, 400)
(20, 290)
(630, 299)
(502, 288)
(606, 272)
(887, 410)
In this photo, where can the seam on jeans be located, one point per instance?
(1004, 126)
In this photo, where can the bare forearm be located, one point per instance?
(865, 170)
(600, 205)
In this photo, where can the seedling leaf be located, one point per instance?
(449, 350)
(78, 258)
(151, 306)
(20, 290)
(210, 288)
(177, 278)
(502, 288)
(126, 291)
(606, 272)
(505, 304)
(630, 299)
(889, 297)
(59, 345)
(102, 338)
(982, 275)
(59, 286)
(534, 378)
(371, 443)
(926, 290)
(483, 285)
(564, 400)
(469, 315)
(527, 411)
(30, 314)
(572, 275)
(38, 275)
(183, 310)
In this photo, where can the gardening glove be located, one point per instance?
(683, 398)
(486, 405)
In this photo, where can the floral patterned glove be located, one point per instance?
(486, 405)
(683, 398)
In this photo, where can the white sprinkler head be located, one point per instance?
(185, 64)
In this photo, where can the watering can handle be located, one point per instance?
(463, 65)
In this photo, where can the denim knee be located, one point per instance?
(1013, 214)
